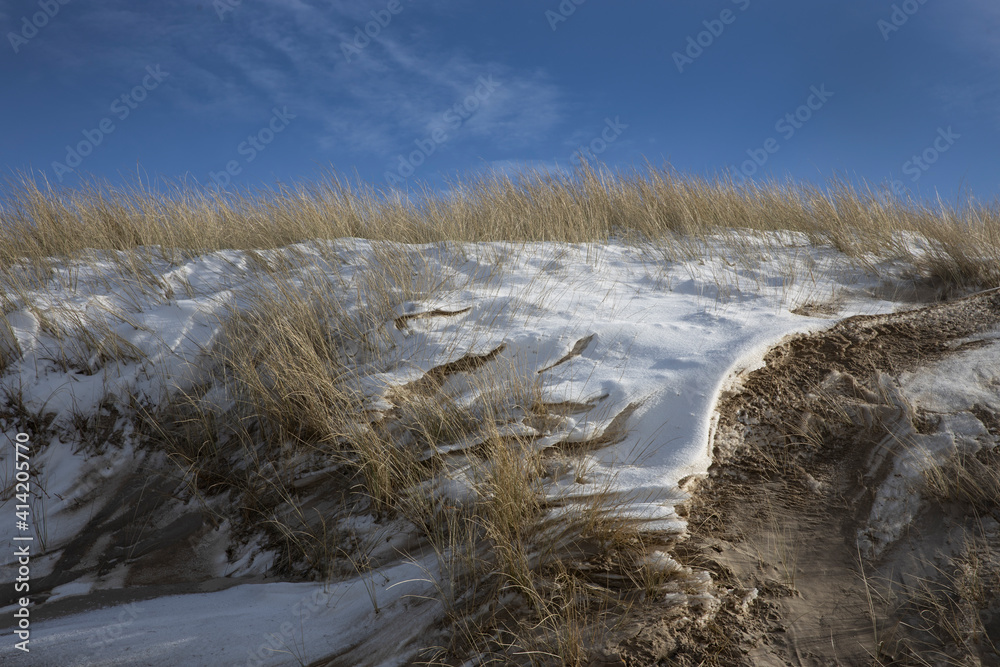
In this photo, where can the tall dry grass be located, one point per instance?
(961, 241)
(447, 458)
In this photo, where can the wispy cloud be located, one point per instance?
(288, 52)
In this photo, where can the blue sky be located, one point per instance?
(241, 93)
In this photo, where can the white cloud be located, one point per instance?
(288, 52)
(395, 91)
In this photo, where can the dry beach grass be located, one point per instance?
(270, 442)
(592, 205)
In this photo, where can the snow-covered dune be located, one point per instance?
(648, 342)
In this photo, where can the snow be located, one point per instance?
(958, 382)
(947, 389)
(265, 624)
(666, 336)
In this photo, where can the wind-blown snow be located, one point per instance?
(666, 338)
(948, 391)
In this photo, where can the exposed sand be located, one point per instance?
(805, 572)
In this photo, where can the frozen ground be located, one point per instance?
(649, 338)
